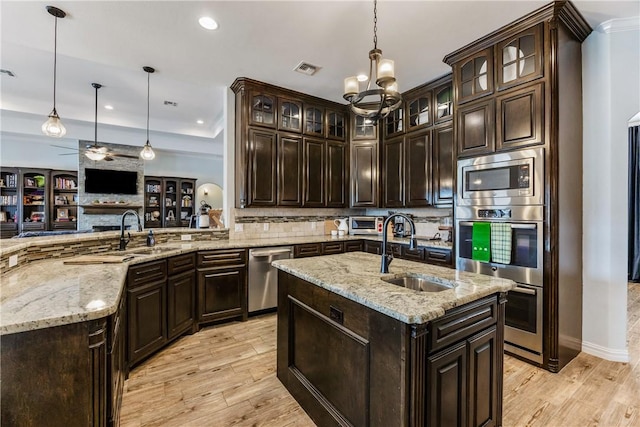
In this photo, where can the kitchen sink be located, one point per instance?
(418, 283)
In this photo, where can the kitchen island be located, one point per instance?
(354, 349)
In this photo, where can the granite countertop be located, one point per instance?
(356, 276)
(50, 293)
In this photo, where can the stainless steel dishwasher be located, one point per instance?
(263, 278)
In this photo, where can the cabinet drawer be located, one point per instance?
(353, 246)
(329, 248)
(180, 263)
(462, 322)
(438, 256)
(311, 249)
(144, 273)
(373, 247)
(222, 258)
(412, 254)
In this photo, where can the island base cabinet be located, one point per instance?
(147, 320)
(55, 376)
(446, 372)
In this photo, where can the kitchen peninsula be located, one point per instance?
(354, 349)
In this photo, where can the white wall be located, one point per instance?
(611, 90)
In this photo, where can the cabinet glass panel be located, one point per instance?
(364, 128)
(34, 201)
(313, 121)
(444, 104)
(9, 201)
(336, 125)
(419, 112)
(186, 201)
(474, 76)
(290, 115)
(262, 109)
(519, 58)
(170, 202)
(393, 122)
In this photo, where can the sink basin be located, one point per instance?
(418, 283)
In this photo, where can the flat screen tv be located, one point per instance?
(108, 181)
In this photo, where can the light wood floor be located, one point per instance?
(225, 376)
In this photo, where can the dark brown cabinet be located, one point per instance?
(476, 132)
(393, 172)
(289, 170)
(519, 58)
(537, 62)
(147, 309)
(222, 285)
(519, 117)
(161, 304)
(418, 107)
(10, 195)
(363, 129)
(443, 165)
(262, 155)
(34, 206)
(313, 167)
(447, 387)
(181, 295)
(364, 174)
(373, 247)
(473, 76)
(297, 161)
(116, 362)
(354, 246)
(443, 102)
(307, 250)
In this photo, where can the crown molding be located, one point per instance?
(618, 25)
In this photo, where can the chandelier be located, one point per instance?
(376, 103)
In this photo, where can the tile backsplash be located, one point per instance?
(257, 223)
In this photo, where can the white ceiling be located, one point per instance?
(110, 41)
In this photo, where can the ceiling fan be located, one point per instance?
(94, 151)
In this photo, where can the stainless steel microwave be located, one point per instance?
(513, 178)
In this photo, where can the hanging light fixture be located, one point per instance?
(53, 126)
(147, 152)
(96, 152)
(376, 103)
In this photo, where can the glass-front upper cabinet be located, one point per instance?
(313, 120)
(520, 58)
(475, 76)
(289, 115)
(336, 125)
(393, 123)
(263, 109)
(443, 98)
(418, 111)
(364, 128)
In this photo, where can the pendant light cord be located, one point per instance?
(148, 77)
(55, 56)
(95, 128)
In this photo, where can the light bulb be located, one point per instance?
(96, 154)
(147, 152)
(53, 126)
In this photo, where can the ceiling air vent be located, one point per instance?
(7, 72)
(306, 68)
(171, 103)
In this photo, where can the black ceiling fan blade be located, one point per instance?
(62, 146)
(126, 156)
(68, 154)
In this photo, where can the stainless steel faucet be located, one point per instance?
(413, 244)
(123, 241)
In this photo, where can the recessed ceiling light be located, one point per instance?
(208, 23)
(108, 107)
(362, 77)
(200, 122)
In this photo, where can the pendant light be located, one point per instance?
(147, 152)
(96, 152)
(53, 126)
(376, 103)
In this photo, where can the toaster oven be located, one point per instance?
(365, 225)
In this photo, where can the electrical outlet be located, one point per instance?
(186, 237)
(13, 260)
(239, 228)
(265, 227)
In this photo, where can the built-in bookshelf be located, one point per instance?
(168, 201)
(9, 197)
(64, 209)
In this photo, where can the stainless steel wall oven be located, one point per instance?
(508, 188)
